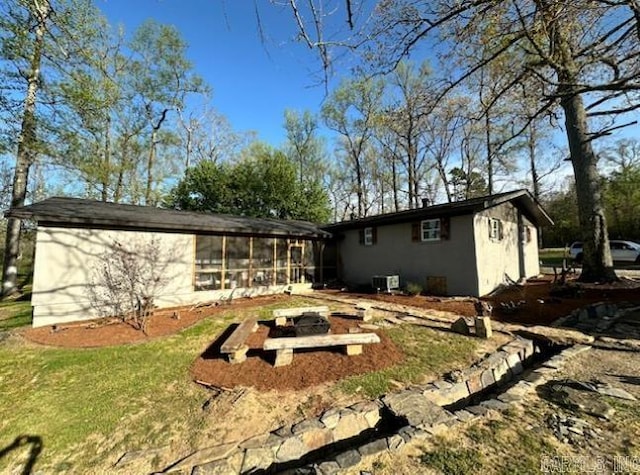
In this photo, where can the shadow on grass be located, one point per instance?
(627, 379)
(34, 451)
(15, 313)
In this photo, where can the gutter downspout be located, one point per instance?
(521, 244)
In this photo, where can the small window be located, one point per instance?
(368, 236)
(495, 229)
(430, 230)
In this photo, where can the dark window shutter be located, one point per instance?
(500, 230)
(415, 231)
(489, 221)
(361, 236)
(374, 235)
(445, 228)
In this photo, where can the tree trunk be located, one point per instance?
(597, 265)
(26, 153)
(106, 172)
(394, 177)
(443, 176)
(150, 163)
(152, 152)
(117, 194)
(535, 179)
(489, 153)
(359, 187)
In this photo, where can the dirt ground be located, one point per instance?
(98, 333)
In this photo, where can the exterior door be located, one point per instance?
(296, 266)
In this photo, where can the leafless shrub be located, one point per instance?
(128, 280)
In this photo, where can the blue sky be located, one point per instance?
(253, 81)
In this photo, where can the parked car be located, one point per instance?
(627, 251)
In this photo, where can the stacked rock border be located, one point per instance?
(341, 437)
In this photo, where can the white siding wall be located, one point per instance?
(395, 253)
(499, 260)
(531, 256)
(67, 259)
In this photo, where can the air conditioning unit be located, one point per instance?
(385, 283)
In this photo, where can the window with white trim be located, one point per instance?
(430, 230)
(368, 236)
(494, 229)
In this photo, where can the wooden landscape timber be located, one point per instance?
(282, 314)
(284, 346)
(235, 347)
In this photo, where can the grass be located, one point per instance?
(453, 460)
(14, 315)
(428, 353)
(553, 257)
(88, 406)
(503, 446)
(76, 397)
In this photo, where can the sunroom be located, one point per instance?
(205, 257)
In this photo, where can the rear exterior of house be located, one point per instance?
(201, 257)
(463, 248)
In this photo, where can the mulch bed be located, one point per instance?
(540, 306)
(309, 367)
(543, 306)
(312, 367)
(94, 333)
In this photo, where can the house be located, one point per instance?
(462, 248)
(203, 257)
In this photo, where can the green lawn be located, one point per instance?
(99, 399)
(14, 315)
(88, 406)
(428, 353)
(553, 257)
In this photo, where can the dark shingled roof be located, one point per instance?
(522, 199)
(75, 212)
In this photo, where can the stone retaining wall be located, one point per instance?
(420, 410)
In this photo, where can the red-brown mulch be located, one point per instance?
(540, 307)
(309, 367)
(312, 367)
(94, 333)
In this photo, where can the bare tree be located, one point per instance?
(129, 279)
(583, 57)
(407, 119)
(351, 112)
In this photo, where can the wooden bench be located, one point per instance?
(284, 346)
(235, 347)
(281, 314)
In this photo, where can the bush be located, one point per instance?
(128, 280)
(413, 288)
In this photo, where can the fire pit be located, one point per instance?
(311, 323)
